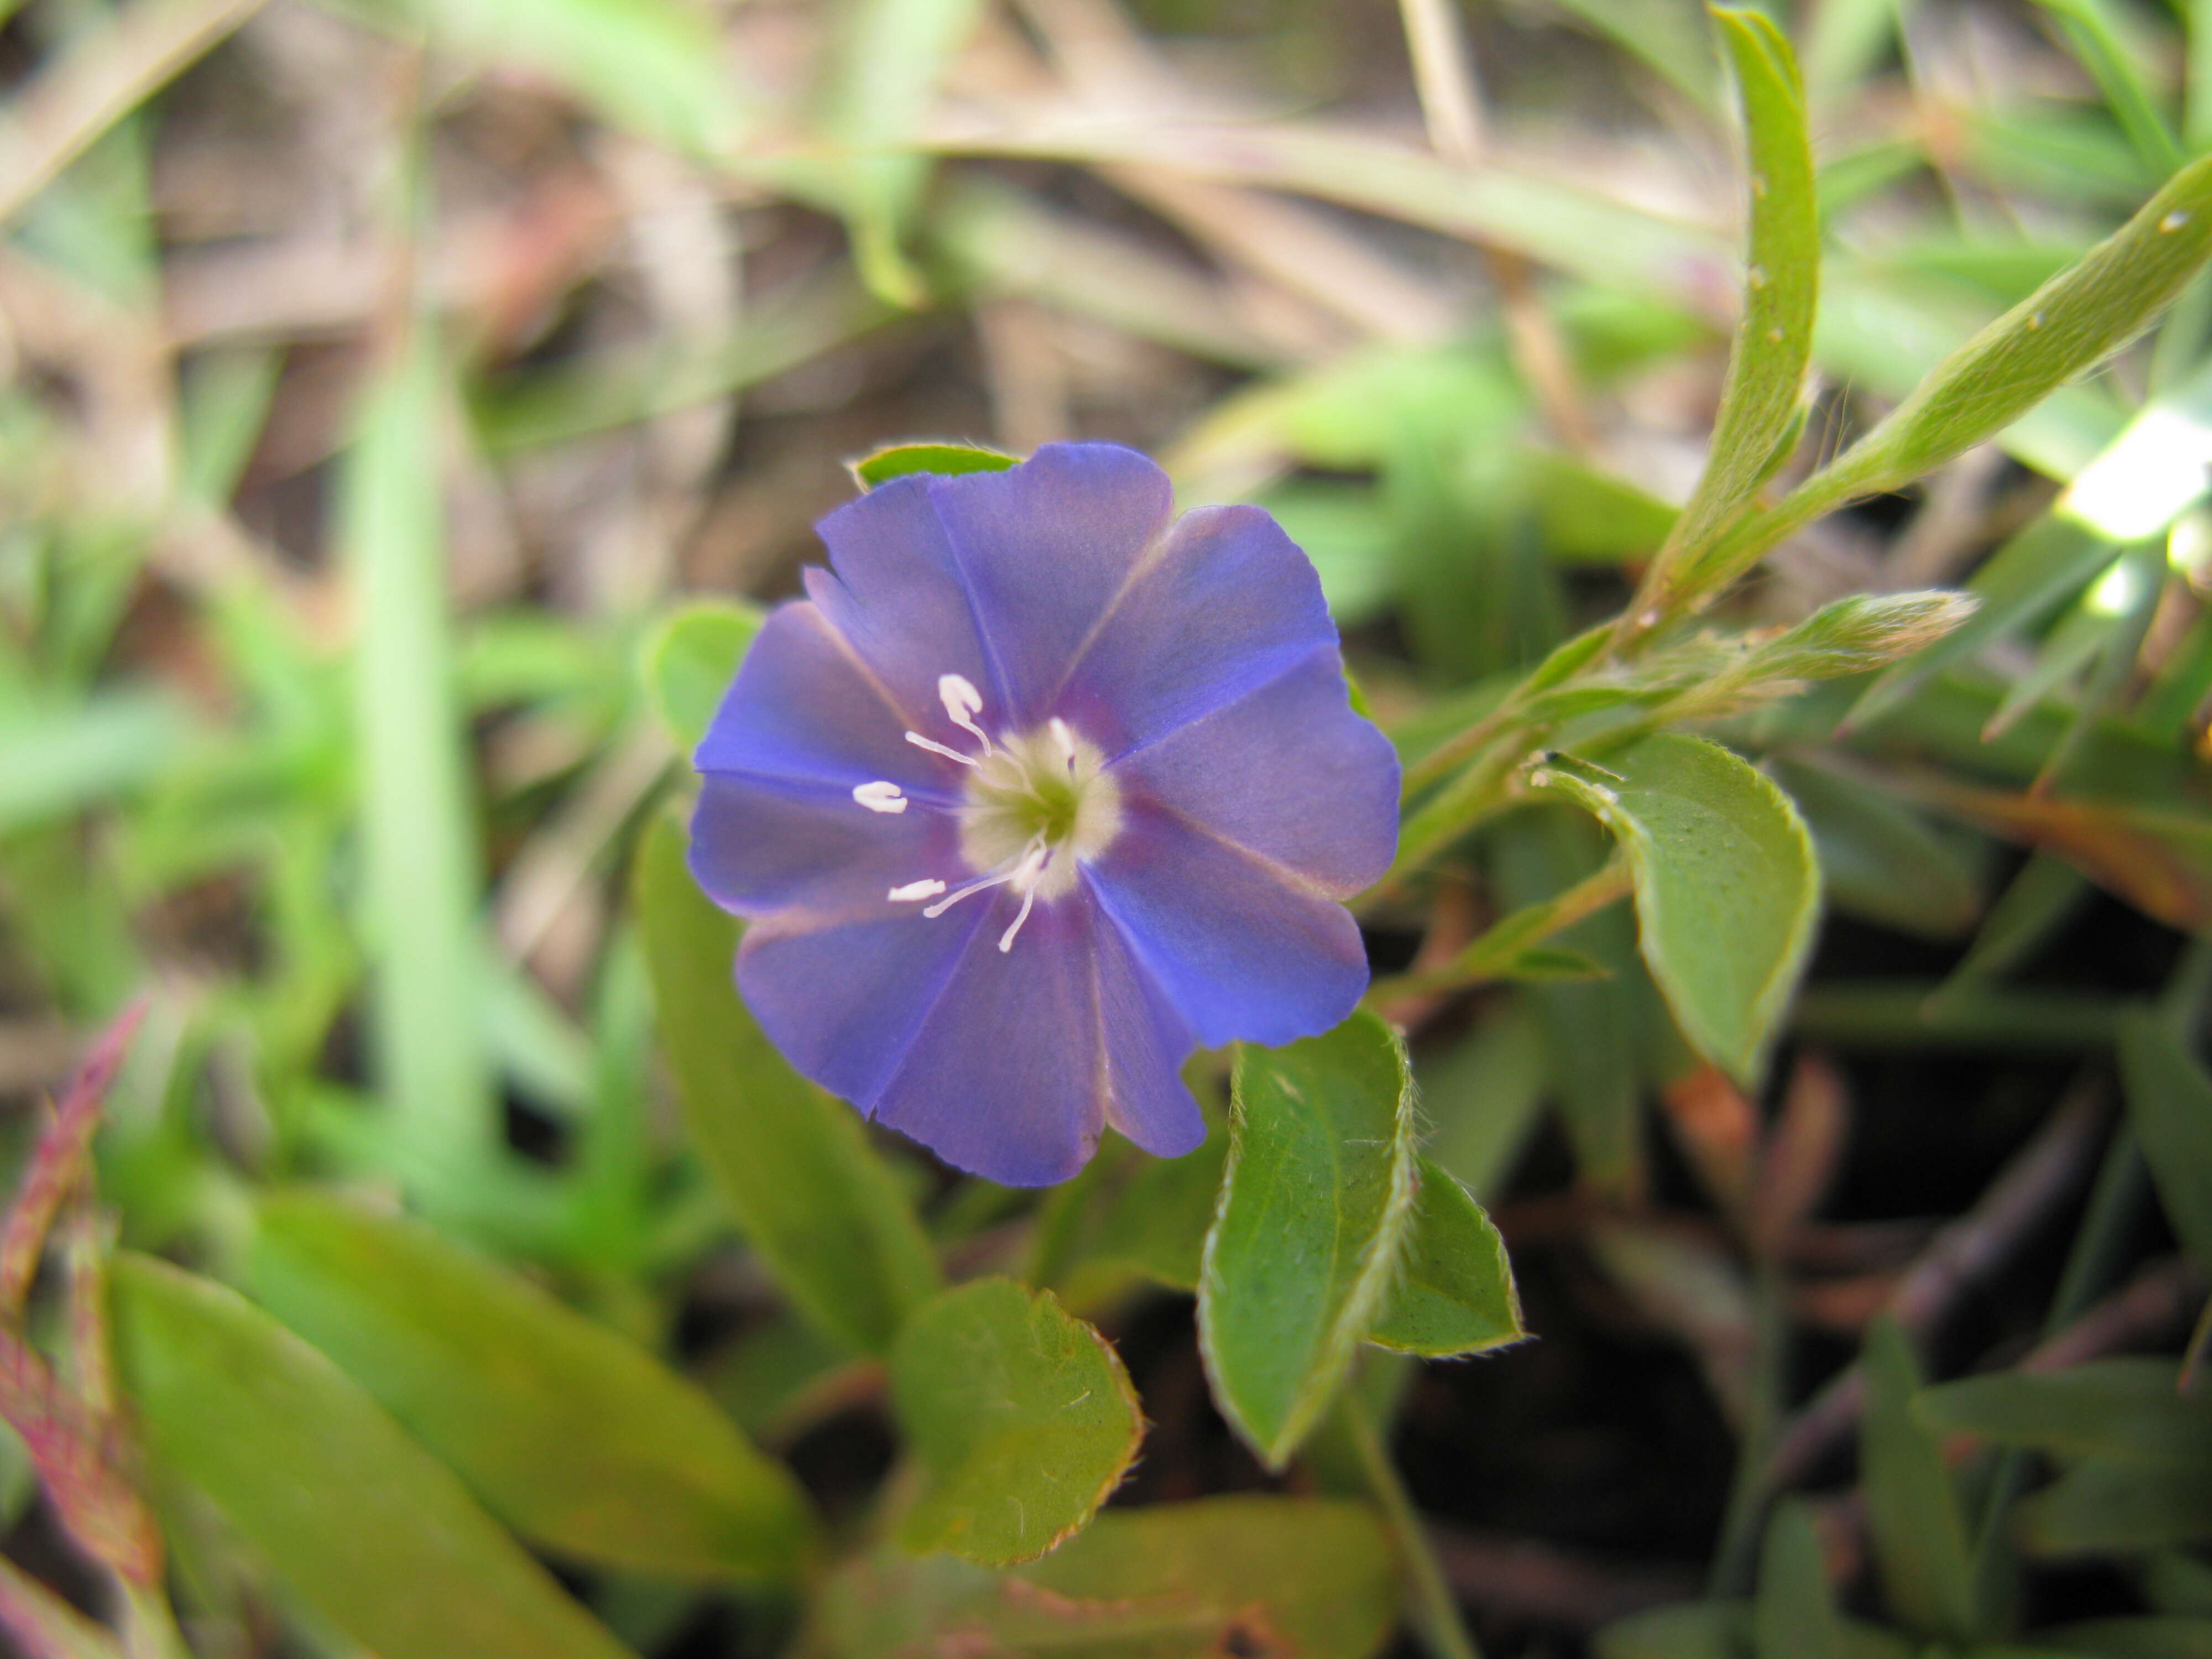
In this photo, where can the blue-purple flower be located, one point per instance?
(1038, 789)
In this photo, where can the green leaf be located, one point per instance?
(2122, 1411)
(656, 67)
(1913, 1517)
(945, 460)
(826, 1215)
(1021, 1417)
(578, 1439)
(1727, 887)
(2132, 1638)
(373, 1532)
(1132, 1214)
(1313, 1208)
(1882, 861)
(419, 877)
(58, 761)
(2170, 1103)
(1688, 1629)
(1454, 1293)
(1794, 1617)
(1248, 1574)
(2068, 325)
(1761, 400)
(2101, 1508)
(1484, 1094)
(882, 79)
(690, 657)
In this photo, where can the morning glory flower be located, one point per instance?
(1039, 788)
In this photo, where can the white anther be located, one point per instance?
(937, 748)
(1065, 739)
(880, 797)
(915, 891)
(962, 702)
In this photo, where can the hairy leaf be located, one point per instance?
(1454, 1293)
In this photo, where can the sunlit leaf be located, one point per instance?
(1314, 1210)
(1021, 1417)
(944, 460)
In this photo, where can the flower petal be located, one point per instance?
(1288, 771)
(1243, 949)
(1004, 1076)
(1226, 604)
(805, 707)
(1145, 1043)
(844, 997)
(895, 590)
(760, 845)
(1046, 547)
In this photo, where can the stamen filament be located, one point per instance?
(962, 702)
(1065, 739)
(937, 748)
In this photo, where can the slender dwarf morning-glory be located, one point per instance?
(1039, 788)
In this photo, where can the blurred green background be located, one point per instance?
(409, 403)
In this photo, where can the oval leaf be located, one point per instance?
(1261, 1576)
(1314, 1207)
(1727, 887)
(946, 461)
(823, 1212)
(1454, 1293)
(380, 1538)
(690, 659)
(575, 1437)
(1021, 1416)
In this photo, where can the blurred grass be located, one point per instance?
(332, 535)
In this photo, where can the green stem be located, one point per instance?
(1496, 949)
(1435, 1612)
(1736, 1555)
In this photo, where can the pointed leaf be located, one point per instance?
(1794, 1616)
(2170, 1103)
(2066, 327)
(1913, 1512)
(372, 1532)
(578, 1439)
(1021, 1416)
(828, 1220)
(1252, 1576)
(2125, 1411)
(1314, 1210)
(1454, 1293)
(2104, 1508)
(1760, 402)
(1727, 887)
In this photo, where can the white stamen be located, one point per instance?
(959, 893)
(937, 748)
(915, 891)
(1006, 939)
(962, 702)
(1065, 739)
(880, 797)
(1024, 872)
